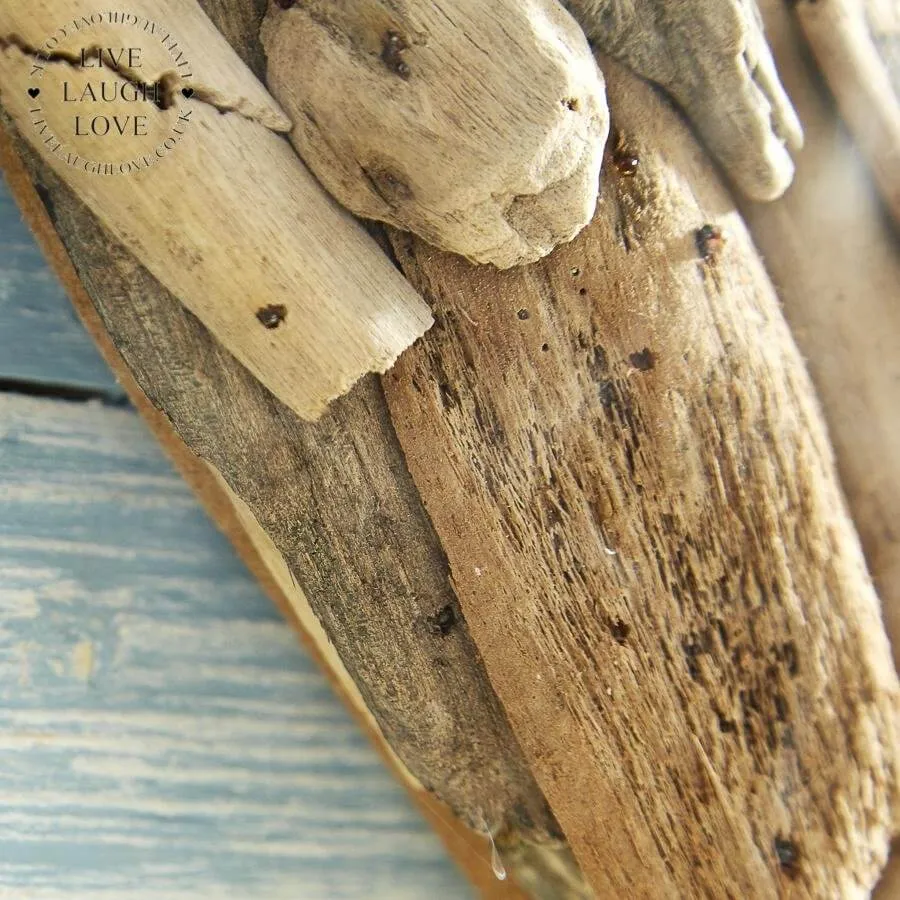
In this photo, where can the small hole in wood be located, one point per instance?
(545, 348)
(644, 360)
(442, 623)
(788, 855)
(582, 291)
(574, 271)
(523, 314)
(272, 316)
(571, 103)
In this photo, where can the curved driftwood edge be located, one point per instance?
(479, 126)
(469, 849)
(841, 39)
(841, 301)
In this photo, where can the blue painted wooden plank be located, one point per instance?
(162, 734)
(41, 338)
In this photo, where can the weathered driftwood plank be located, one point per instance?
(479, 126)
(841, 41)
(229, 219)
(40, 338)
(835, 261)
(622, 455)
(505, 764)
(712, 57)
(336, 499)
(162, 733)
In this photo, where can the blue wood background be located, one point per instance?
(162, 734)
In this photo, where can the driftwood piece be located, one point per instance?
(834, 259)
(883, 18)
(479, 126)
(336, 500)
(469, 736)
(467, 847)
(312, 304)
(712, 57)
(622, 455)
(842, 43)
(836, 263)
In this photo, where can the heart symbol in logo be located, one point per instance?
(188, 92)
(33, 92)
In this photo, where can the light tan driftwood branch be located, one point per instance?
(883, 18)
(834, 259)
(230, 221)
(841, 40)
(479, 126)
(623, 457)
(712, 57)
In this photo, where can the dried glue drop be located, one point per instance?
(496, 863)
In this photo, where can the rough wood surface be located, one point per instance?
(163, 736)
(479, 126)
(713, 58)
(502, 755)
(339, 505)
(842, 43)
(620, 450)
(230, 191)
(468, 847)
(835, 261)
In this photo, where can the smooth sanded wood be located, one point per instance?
(835, 260)
(479, 126)
(842, 43)
(621, 452)
(883, 19)
(230, 220)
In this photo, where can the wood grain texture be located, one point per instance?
(840, 38)
(479, 126)
(41, 340)
(466, 846)
(229, 219)
(621, 452)
(835, 260)
(338, 503)
(712, 57)
(162, 734)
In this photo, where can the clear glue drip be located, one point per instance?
(496, 863)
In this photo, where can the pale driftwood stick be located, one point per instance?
(231, 221)
(336, 499)
(840, 39)
(883, 18)
(835, 261)
(712, 57)
(479, 126)
(623, 458)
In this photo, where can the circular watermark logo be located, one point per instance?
(108, 93)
